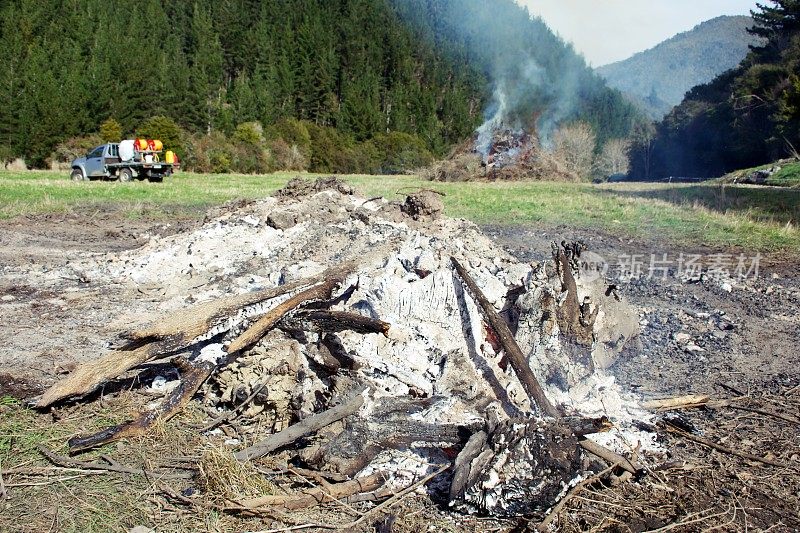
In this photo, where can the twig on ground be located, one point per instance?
(3, 491)
(308, 498)
(609, 456)
(690, 519)
(705, 442)
(418, 189)
(62, 460)
(766, 412)
(681, 402)
(394, 499)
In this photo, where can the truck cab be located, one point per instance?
(104, 162)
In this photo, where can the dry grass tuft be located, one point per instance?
(222, 476)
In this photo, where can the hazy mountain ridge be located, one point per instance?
(658, 78)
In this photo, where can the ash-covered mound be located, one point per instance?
(372, 306)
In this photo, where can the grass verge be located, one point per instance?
(714, 215)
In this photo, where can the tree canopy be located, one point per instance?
(365, 68)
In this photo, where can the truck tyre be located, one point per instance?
(77, 175)
(125, 174)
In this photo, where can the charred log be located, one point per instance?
(518, 361)
(305, 427)
(193, 374)
(575, 318)
(361, 441)
(255, 332)
(520, 468)
(318, 321)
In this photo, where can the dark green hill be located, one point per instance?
(744, 118)
(350, 70)
(658, 78)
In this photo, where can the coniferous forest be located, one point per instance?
(334, 85)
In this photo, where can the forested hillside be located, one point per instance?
(658, 78)
(746, 117)
(333, 85)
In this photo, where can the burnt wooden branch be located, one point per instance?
(89, 376)
(681, 402)
(609, 456)
(305, 427)
(319, 321)
(543, 526)
(355, 447)
(515, 356)
(167, 335)
(394, 500)
(582, 426)
(575, 319)
(193, 374)
(111, 466)
(311, 497)
(255, 332)
(463, 464)
(181, 327)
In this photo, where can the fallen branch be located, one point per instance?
(192, 377)
(89, 376)
(186, 325)
(705, 442)
(609, 456)
(394, 499)
(68, 462)
(311, 497)
(255, 332)
(681, 402)
(305, 427)
(515, 356)
(766, 412)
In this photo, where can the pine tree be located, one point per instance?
(206, 72)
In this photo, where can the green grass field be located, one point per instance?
(717, 215)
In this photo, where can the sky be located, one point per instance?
(605, 31)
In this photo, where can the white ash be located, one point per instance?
(437, 345)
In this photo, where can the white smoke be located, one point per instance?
(526, 97)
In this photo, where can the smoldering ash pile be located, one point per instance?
(397, 341)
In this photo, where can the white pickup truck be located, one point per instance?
(121, 162)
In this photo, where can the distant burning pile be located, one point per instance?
(499, 153)
(508, 147)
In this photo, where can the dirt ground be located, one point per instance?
(698, 336)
